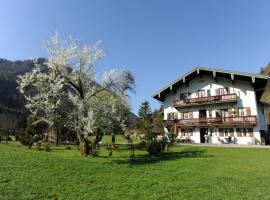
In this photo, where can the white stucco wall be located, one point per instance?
(243, 89)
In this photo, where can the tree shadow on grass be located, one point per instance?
(166, 156)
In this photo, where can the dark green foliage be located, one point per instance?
(13, 114)
(5, 135)
(29, 135)
(154, 147)
(265, 98)
(157, 122)
(145, 119)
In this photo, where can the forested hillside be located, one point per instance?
(12, 111)
(13, 114)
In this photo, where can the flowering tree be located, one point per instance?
(71, 77)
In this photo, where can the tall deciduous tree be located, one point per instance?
(72, 78)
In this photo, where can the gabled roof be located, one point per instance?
(215, 72)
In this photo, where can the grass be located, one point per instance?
(185, 172)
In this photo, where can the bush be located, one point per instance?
(154, 147)
(29, 136)
(157, 145)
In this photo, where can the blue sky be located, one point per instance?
(156, 40)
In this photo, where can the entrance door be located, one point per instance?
(203, 131)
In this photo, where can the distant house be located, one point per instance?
(48, 132)
(214, 104)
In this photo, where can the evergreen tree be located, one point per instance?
(158, 125)
(145, 119)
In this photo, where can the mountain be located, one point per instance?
(13, 114)
(12, 111)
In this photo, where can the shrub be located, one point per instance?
(47, 147)
(29, 136)
(154, 147)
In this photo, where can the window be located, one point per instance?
(226, 132)
(244, 132)
(186, 115)
(211, 131)
(218, 113)
(208, 93)
(238, 132)
(222, 91)
(186, 132)
(210, 113)
(184, 96)
(220, 131)
(172, 116)
(224, 113)
(201, 93)
(242, 112)
(250, 132)
(231, 131)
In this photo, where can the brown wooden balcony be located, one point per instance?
(216, 121)
(225, 98)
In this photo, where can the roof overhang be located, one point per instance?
(258, 80)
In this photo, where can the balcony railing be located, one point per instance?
(239, 120)
(225, 98)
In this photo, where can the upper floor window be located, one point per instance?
(171, 116)
(210, 113)
(186, 115)
(201, 93)
(242, 112)
(222, 91)
(185, 95)
(208, 93)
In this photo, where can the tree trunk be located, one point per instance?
(56, 131)
(56, 137)
(84, 146)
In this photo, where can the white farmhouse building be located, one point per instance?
(216, 105)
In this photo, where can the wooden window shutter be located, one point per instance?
(250, 132)
(238, 132)
(230, 112)
(236, 112)
(248, 111)
(190, 115)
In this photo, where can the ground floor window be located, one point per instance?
(225, 132)
(244, 132)
(184, 132)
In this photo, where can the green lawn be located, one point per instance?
(182, 173)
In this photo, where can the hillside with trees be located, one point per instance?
(13, 114)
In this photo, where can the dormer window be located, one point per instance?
(222, 91)
(201, 93)
(184, 96)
